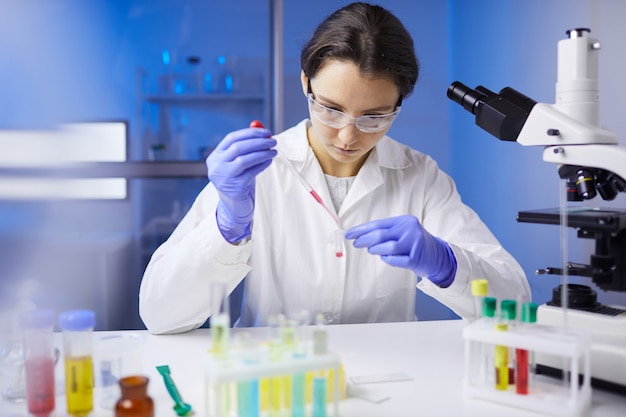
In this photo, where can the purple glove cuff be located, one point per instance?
(445, 277)
(233, 232)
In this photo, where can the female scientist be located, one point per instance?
(405, 225)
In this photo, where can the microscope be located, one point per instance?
(591, 163)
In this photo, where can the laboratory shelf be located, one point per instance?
(204, 98)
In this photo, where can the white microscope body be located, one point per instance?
(591, 161)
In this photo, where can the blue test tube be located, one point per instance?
(248, 391)
(319, 396)
(248, 398)
(298, 390)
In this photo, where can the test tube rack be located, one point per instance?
(545, 395)
(223, 376)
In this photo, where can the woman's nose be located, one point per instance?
(348, 134)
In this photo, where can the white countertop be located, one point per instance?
(429, 352)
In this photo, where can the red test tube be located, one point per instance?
(523, 358)
(38, 340)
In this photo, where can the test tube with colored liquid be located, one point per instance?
(298, 385)
(488, 315)
(524, 363)
(505, 373)
(501, 361)
(319, 395)
(220, 319)
(77, 328)
(479, 287)
(38, 340)
(248, 391)
(276, 386)
(220, 336)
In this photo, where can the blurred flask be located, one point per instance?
(225, 78)
(166, 78)
(181, 73)
(12, 372)
(188, 76)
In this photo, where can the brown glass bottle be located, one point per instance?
(134, 401)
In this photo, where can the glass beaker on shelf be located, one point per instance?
(188, 76)
(182, 74)
(223, 77)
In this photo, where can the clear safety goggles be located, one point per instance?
(338, 120)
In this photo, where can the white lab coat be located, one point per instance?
(290, 263)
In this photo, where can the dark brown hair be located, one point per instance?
(369, 36)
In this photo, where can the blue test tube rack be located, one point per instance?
(546, 395)
(226, 375)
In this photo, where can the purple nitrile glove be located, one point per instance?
(232, 168)
(402, 241)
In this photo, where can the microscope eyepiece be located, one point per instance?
(465, 96)
(502, 114)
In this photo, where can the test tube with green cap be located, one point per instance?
(489, 308)
(524, 362)
(480, 289)
(508, 311)
(486, 350)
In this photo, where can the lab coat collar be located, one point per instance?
(295, 146)
(388, 154)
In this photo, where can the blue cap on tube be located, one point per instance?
(77, 320)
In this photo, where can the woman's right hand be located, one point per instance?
(232, 168)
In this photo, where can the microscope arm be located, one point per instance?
(609, 157)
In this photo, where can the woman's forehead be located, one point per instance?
(338, 81)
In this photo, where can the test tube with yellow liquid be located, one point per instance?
(220, 319)
(77, 328)
(276, 385)
(220, 337)
(501, 361)
(505, 372)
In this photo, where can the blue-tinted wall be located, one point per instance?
(72, 60)
(514, 43)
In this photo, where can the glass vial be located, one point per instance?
(220, 319)
(77, 328)
(37, 332)
(135, 401)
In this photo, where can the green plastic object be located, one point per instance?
(529, 312)
(489, 307)
(508, 310)
(181, 407)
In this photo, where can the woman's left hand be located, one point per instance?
(402, 241)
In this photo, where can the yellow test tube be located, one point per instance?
(501, 361)
(77, 327)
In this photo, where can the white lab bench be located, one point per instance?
(431, 353)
